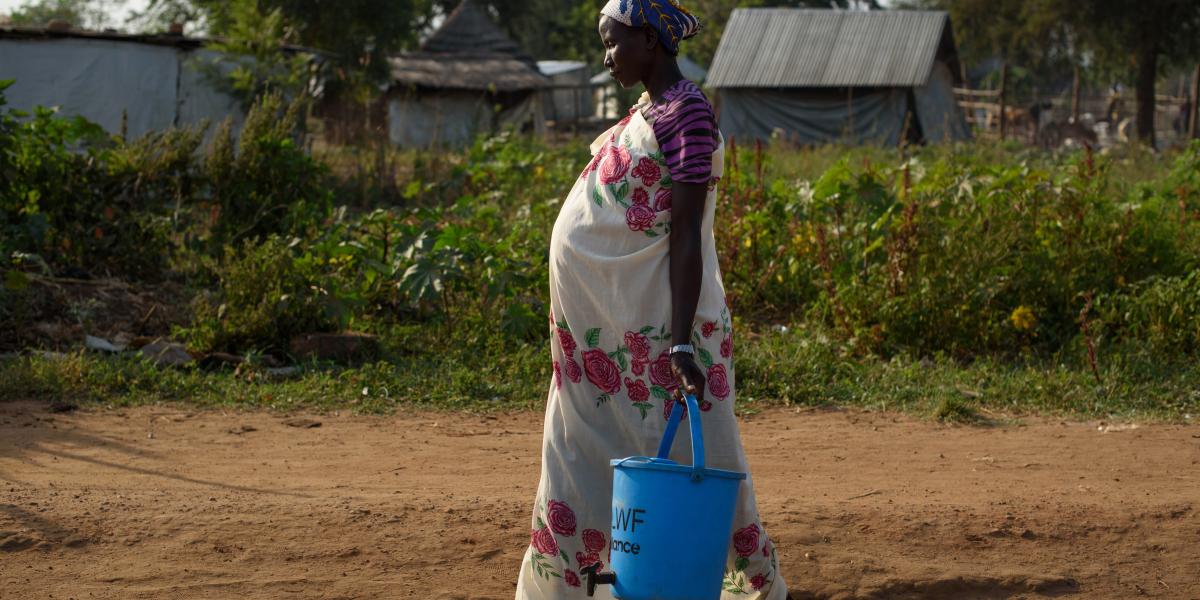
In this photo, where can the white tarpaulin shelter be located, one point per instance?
(151, 82)
(817, 76)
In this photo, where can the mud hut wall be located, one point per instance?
(421, 118)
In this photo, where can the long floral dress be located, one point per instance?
(611, 392)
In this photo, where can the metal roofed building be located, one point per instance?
(817, 76)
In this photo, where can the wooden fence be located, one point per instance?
(991, 117)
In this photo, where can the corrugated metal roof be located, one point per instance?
(782, 47)
(550, 68)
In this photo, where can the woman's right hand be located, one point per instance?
(689, 375)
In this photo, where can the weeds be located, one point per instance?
(981, 260)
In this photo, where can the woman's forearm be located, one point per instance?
(687, 263)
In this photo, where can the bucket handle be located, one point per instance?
(664, 448)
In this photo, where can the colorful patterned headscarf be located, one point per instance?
(672, 21)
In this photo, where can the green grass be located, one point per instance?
(797, 368)
(803, 368)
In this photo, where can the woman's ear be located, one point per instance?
(651, 37)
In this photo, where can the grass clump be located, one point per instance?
(955, 410)
(795, 368)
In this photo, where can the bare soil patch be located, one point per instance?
(162, 502)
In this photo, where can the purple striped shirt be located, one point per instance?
(686, 130)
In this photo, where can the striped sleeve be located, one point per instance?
(687, 135)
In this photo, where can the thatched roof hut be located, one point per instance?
(467, 78)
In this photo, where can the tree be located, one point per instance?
(355, 36)
(251, 34)
(1029, 33)
(1129, 39)
(1140, 38)
(91, 14)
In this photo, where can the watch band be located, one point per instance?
(688, 348)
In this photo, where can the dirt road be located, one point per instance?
(166, 503)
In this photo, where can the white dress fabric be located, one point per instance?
(610, 303)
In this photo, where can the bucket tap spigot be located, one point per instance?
(594, 578)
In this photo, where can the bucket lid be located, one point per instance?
(664, 464)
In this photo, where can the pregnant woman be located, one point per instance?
(638, 316)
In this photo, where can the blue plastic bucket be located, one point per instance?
(671, 522)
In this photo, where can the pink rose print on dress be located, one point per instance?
(661, 374)
(560, 517)
(589, 559)
(572, 579)
(593, 540)
(557, 376)
(767, 547)
(727, 346)
(591, 166)
(639, 217)
(669, 405)
(641, 196)
(758, 581)
(573, 370)
(706, 329)
(638, 345)
(648, 171)
(745, 540)
(705, 406)
(543, 541)
(615, 164)
(638, 392)
(602, 371)
(567, 341)
(718, 384)
(662, 199)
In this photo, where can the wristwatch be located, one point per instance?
(687, 348)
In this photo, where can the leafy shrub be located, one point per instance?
(949, 252)
(82, 199)
(58, 199)
(1161, 314)
(263, 183)
(263, 297)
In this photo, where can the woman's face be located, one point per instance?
(628, 52)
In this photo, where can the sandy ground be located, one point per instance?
(166, 503)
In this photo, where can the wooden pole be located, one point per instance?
(1003, 85)
(1075, 97)
(1193, 126)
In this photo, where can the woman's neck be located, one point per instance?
(662, 77)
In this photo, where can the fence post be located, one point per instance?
(1003, 85)
(1075, 97)
(1194, 113)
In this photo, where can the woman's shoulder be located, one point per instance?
(686, 96)
(682, 103)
